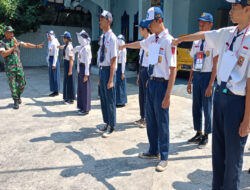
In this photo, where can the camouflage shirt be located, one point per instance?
(14, 57)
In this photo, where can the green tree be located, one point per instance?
(22, 15)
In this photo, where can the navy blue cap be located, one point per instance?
(243, 2)
(67, 35)
(143, 24)
(206, 17)
(153, 13)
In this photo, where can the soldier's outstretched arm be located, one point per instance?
(30, 45)
(189, 38)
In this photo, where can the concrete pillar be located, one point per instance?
(168, 9)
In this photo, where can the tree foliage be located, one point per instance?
(22, 15)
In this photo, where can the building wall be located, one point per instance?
(37, 57)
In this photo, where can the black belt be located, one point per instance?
(142, 67)
(81, 64)
(104, 67)
(158, 79)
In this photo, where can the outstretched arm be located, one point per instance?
(30, 45)
(189, 38)
(133, 45)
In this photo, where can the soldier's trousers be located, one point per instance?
(16, 79)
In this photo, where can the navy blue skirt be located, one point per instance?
(54, 75)
(83, 91)
(68, 83)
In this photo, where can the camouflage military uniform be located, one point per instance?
(14, 69)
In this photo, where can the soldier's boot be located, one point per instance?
(16, 105)
(19, 99)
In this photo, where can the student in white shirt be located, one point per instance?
(83, 68)
(53, 63)
(162, 72)
(231, 109)
(121, 89)
(108, 65)
(68, 57)
(143, 76)
(202, 76)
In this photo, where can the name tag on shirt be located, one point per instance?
(229, 60)
(153, 53)
(199, 60)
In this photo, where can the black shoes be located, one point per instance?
(16, 104)
(203, 142)
(102, 129)
(54, 94)
(108, 132)
(196, 139)
(120, 106)
(148, 155)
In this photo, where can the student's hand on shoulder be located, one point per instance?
(244, 128)
(189, 88)
(209, 91)
(175, 41)
(121, 47)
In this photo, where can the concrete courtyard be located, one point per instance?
(45, 145)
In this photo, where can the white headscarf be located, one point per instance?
(83, 38)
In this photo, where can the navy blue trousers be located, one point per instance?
(68, 83)
(227, 145)
(121, 89)
(157, 119)
(108, 98)
(83, 91)
(200, 102)
(54, 75)
(143, 78)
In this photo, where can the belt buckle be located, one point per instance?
(225, 91)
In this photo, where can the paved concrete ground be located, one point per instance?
(45, 145)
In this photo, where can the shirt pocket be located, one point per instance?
(241, 67)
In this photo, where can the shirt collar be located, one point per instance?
(107, 33)
(164, 32)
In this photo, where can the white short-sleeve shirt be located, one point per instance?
(111, 46)
(166, 56)
(69, 51)
(209, 52)
(220, 40)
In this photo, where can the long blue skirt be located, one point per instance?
(121, 90)
(54, 75)
(68, 83)
(83, 91)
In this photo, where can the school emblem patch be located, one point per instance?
(241, 61)
(159, 59)
(158, 16)
(207, 53)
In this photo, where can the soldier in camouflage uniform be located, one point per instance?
(9, 49)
